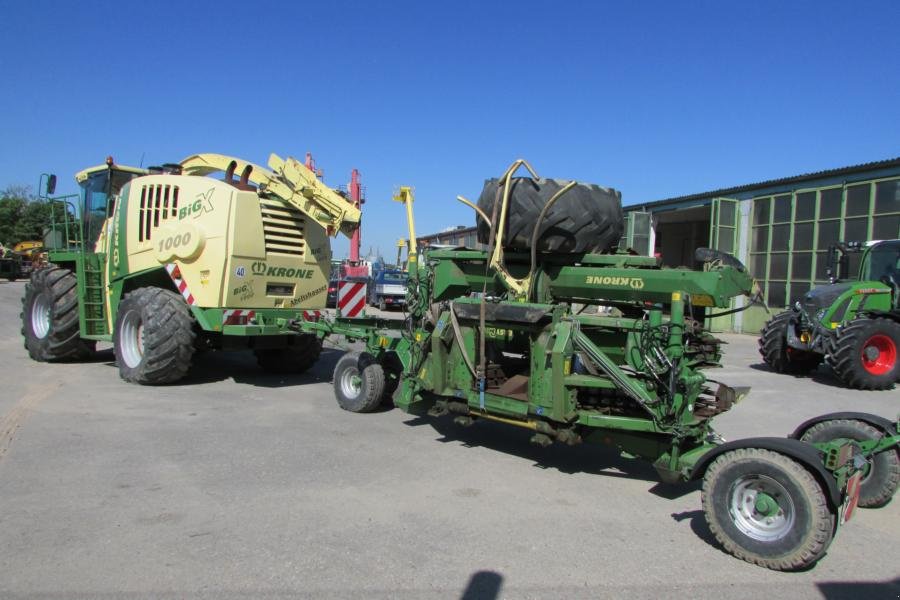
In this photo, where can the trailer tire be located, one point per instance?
(865, 354)
(393, 373)
(881, 480)
(778, 355)
(741, 486)
(296, 358)
(588, 218)
(153, 339)
(358, 382)
(49, 315)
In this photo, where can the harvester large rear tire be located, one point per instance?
(587, 218)
(358, 382)
(883, 475)
(778, 355)
(767, 509)
(294, 359)
(50, 317)
(865, 354)
(154, 337)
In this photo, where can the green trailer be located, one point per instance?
(603, 346)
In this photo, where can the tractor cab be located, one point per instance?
(882, 263)
(100, 186)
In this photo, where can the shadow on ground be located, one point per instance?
(851, 590)
(583, 458)
(822, 375)
(241, 367)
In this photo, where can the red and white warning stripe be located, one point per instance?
(312, 315)
(236, 316)
(175, 274)
(351, 298)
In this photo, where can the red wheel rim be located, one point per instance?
(879, 354)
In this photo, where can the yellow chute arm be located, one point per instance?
(289, 180)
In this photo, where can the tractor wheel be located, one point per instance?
(297, 358)
(778, 355)
(767, 509)
(587, 218)
(154, 337)
(864, 354)
(358, 382)
(50, 317)
(883, 470)
(393, 371)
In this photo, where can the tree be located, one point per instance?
(24, 217)
(12, 204)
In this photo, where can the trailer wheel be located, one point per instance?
(778, 355)
(50, 317)
(767, 509)
(587, 218)
(393, 371)
(358, 382)
(297, 358)
(154, 337)
(865, 354)
(883, 470)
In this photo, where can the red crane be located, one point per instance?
(354, 267)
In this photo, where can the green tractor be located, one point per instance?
(169, 260)
(555, 331)
(852, 325)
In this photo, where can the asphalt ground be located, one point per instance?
(238, 484)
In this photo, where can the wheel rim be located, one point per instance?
(761, 508)
(351, 384)
(879, 354)
(40, 316)
(131, 340)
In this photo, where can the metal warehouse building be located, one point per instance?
(780, 229)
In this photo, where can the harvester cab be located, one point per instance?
(853, 322)
(164, 260)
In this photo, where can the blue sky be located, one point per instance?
(656, 99)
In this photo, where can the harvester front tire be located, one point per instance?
(767, 509)
(865, 354)
(50, 317)
(883, 476)
(294, 359)
(358, 382)
(776, 353)
(154, 337)
(587, 218)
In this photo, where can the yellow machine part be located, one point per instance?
(233, 247)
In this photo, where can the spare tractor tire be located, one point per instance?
(587, 218)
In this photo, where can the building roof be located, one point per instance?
(455, 231)
(869, 166)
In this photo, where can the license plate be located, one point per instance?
(852, 498)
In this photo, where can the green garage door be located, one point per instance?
(724, 225)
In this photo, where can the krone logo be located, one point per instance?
(635, 283)
(258, 268)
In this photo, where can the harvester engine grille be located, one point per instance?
(283, 227)
(158, 203)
